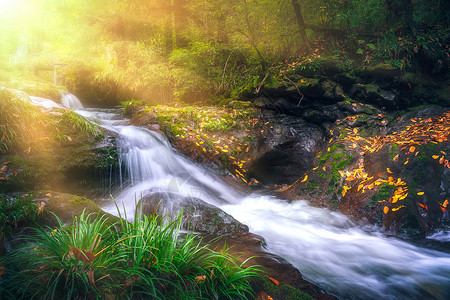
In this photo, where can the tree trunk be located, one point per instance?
(300, 22)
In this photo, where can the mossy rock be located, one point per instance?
(66, 207)
(281, 291)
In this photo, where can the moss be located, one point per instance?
(393, 150)
(311, 185)
(337, 166)
(326, 154)
(323, 175)
(384, 193)
(333, 202)
(283, 291)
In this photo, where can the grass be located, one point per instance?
(27, 128)
(147, 258)
(17, 211)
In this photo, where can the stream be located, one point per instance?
(345, 259)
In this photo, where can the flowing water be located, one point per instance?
(347, 260)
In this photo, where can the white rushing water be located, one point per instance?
(70, 101)
(325, 246)
(44, 103)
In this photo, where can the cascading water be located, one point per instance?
(44, 103)
(71, 101)
(325, 246)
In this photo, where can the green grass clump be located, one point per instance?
(149, 258)
(17, 211)
(27, 128)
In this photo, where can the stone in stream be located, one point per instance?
(198, 215)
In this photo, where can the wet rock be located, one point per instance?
(290, 159)
(371, 93)
(198, 216)
(249, 247)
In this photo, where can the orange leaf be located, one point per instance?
(441, 160)
(412, 149)
(385, 209)
(445, 204)
(435, 156)
(324, 168)
(263, 296)
(423, 205)
(273, 280)
(200, 278)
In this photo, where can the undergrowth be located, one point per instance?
(147, 258)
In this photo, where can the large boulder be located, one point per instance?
(198, 216)
(66, 207)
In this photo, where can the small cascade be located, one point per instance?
(71, 101)
(44, 103)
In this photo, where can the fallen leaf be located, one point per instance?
(263, 296)
(389, 171)
(420, 193)
(441, 160)
(273, 280)
(435, 156)
(412, 149)
(304, 179)
(423, 205)
(397, 208)
(385, 209)
(200, 279)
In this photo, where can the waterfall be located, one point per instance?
(71, 101)
(347, 260)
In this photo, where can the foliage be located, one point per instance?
(15, 211)
(148, 257)
(27, 128)
(22, 125)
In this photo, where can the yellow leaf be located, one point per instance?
(420, 193)
(341, 173)
(397, 208)
(406, 162)
(304, 179)
(389, 171)
(396, 157)
(435, 156)
(385, 209)
(316, 168)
